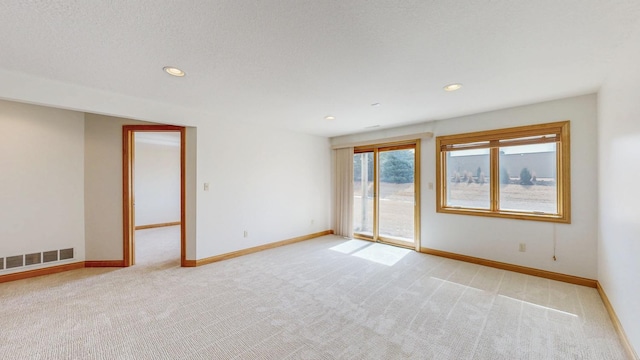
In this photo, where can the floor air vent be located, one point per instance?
(11, 262)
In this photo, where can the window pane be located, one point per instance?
(528, 178)
(363, 193)
(468, 179)
(397, 196)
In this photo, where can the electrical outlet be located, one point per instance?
(246, 233)
(523, 247)
(312, 221)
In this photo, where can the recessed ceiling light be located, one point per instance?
(174, 71)
(329, 117)
(452, 87)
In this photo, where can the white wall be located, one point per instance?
(41, 181)
(103, 186)
(157, 178)
(191, 189)
(619, 190)
(268, 182)
(496, 238)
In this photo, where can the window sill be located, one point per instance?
(506, 214)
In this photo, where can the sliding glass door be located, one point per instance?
(386, 184)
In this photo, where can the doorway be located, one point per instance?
(129, 224)
(386, 194)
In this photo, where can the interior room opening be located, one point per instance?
(156, 180)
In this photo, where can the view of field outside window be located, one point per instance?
(397, 197)
(396, 194)
(468, 179)
(528, 178)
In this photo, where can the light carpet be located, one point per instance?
(326, 298)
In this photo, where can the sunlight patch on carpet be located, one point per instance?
(378, 253)
(382, 254)
(539, 306)
(350, 246)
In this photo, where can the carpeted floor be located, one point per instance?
(327, 298)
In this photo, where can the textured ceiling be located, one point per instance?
(289, 63)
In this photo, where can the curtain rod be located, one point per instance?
(424, 135)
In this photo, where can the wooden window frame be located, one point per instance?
(491, 140)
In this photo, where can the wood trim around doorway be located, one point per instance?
(153, 226)
(128, 157)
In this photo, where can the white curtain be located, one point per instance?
(344, 192)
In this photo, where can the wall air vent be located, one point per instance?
(15, 261)
(49, 256)
(66, 254)
(33, 259)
